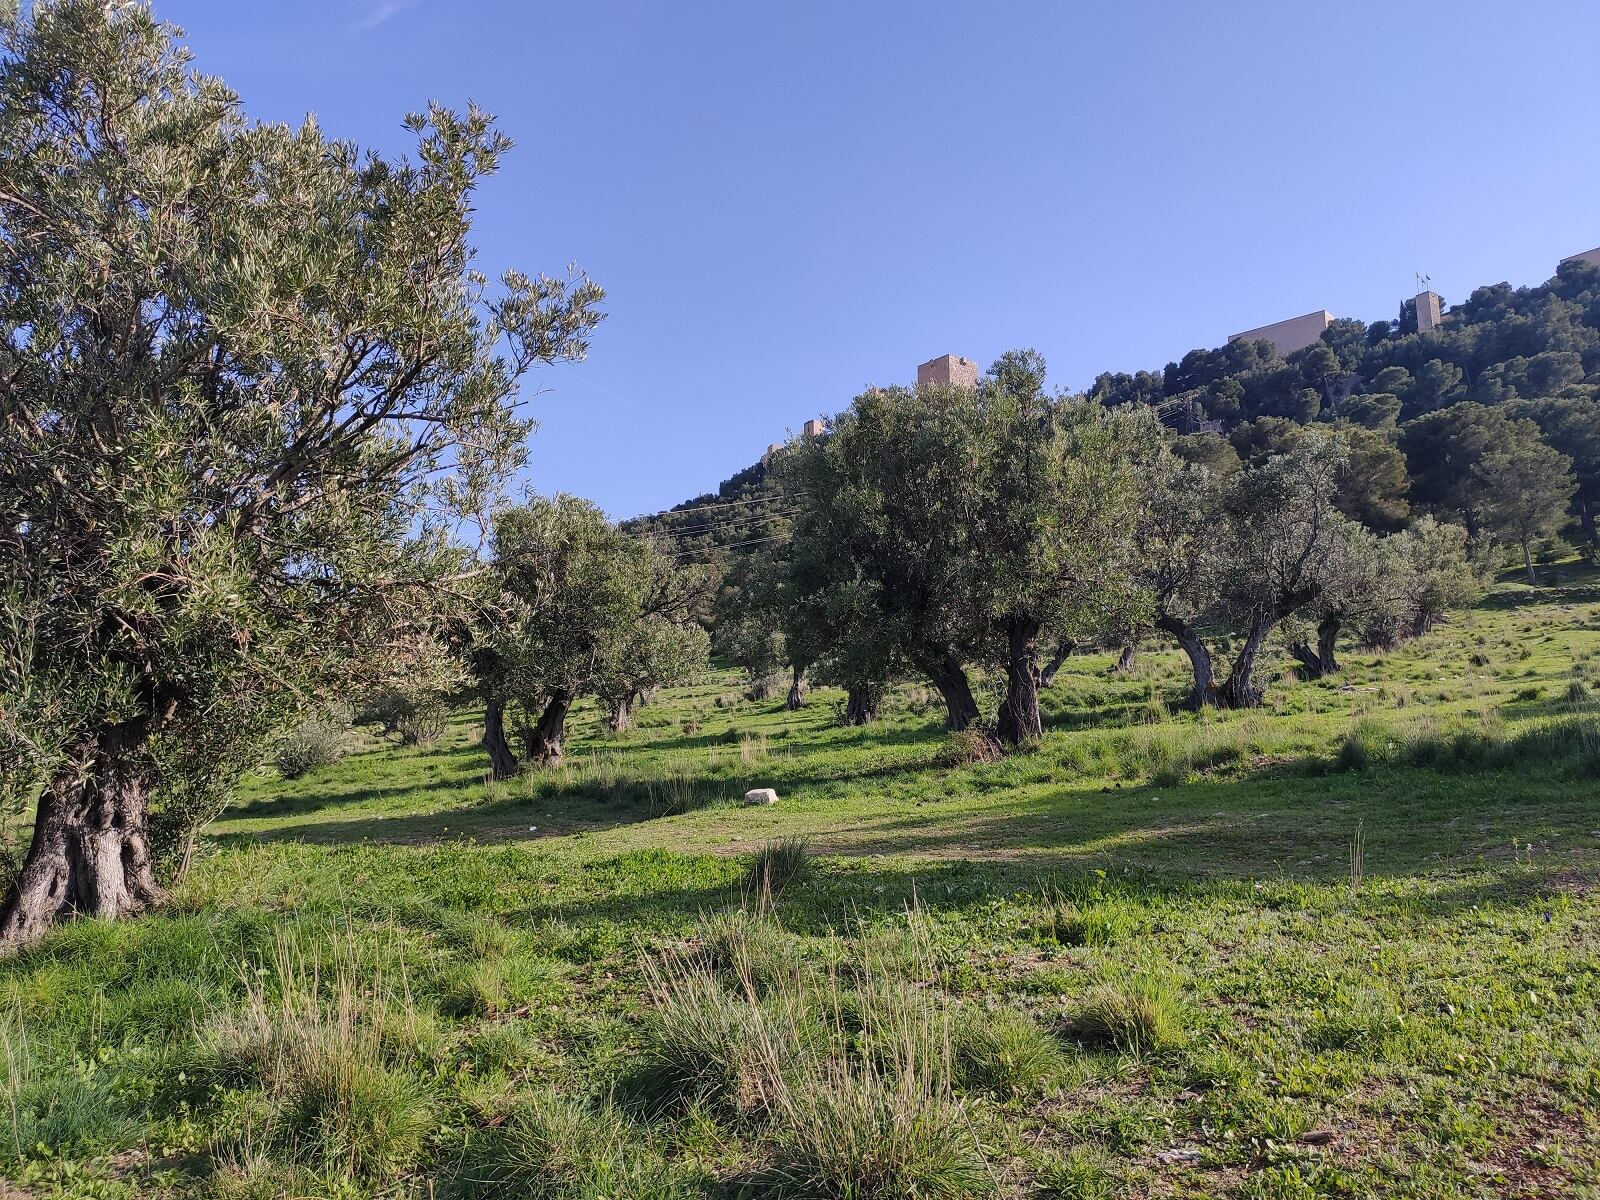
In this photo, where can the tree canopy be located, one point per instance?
(247, 371)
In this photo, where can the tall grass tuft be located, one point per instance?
(709, 1045)
(851, 1076)
(548, 1146)
(854, 1129)
(751, 950)
(776, 865)
(1003, 1050)
(1134, 1016)
(334, 1100)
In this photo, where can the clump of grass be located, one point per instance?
(776, 865)
(883, 1121)
(550, 1146)
(61, 1110)
(1366, 743)
(1578, 693)
(751, 949)
(332, 1098)
(1368, 1023)
(677, 791)
(1134, 1016)
(711, 1046)
(970, 746)
(852, 1130)
(1003, 1050)
(1080, 1174)
(752, 749)
(486, 987)
(1063, 921)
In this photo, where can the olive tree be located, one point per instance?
(1240, 551)
(1062, 486)
(1286, 539)
(584, 608)
(974, 523)
(892, 494)
(1181, 535)
(245, 370)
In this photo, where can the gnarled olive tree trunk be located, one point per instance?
(861, 703)
(620, 719)
(1058, 659)
(1240, 689)
(1323, 660)
(1019, 719)
(543, 742)
(945, 672)
(90, 854)
(797, 689)
(1203, 690)
(502, 762)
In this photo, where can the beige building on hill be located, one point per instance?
(948, 369)
(1288, 336)
(1592, 257)
(1430, 311)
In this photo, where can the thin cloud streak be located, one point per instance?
(382, 12)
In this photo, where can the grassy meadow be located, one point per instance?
(1345, 945)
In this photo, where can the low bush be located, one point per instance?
(313, 743)
(417, 719)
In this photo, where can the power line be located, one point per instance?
(693, 507)
(776, 537)
(712, 526)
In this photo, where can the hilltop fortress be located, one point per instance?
(1286, 336)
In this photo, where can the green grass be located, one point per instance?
(1345, 945)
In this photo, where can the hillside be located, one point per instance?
(1417, 408)
(1344, 945)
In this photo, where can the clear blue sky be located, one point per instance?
(790, 200)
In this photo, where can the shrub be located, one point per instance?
(776, 865)
(1003, 1050)
(313, 743)
(1578, 693)
(416, 718)
(1133, 1016)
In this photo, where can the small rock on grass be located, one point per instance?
(761, 796)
